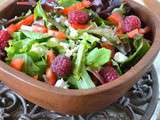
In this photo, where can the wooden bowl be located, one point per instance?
(80, 101)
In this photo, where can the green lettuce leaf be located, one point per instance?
(79, 60)
(42, 65)
(38, 50)
(26, 45)
(13, 49)
(18, 35)
(36, 36)
(18, 46)
(53, 42)
(98, 57)
(85, 81)
(89, 38)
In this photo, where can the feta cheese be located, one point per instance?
(26, 28)
(39, 22)
(68, 51)
(65, 45)
(119, 57)
(61, 84)
(73, 33)
(103, 39)
(66, 22)
(58, 19)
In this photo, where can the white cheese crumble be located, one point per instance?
(119, 57)
(73, 33)
(104, 39)
(68, 51)
(66, 22)
(26, 28)
(61, 84)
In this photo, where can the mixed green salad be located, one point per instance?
(74, 44)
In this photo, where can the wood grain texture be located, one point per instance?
(81, 101)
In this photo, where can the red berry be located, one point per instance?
(79, 17)
(130, 23)
(108, 74)
(4, 37)
(62, 65)
(51, 76)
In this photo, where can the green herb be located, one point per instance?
(117, 66)
(89, 38)
(67, 3)
(95, 18)
(38, 50)
(29, 12)
(53, 42)
(142, 46)
(120, 10)
(39, 12)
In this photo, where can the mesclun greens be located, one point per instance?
(82, 44)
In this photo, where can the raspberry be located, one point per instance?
(62, 66)
(79, 17)
(4, 37)
(108, 74)
(130, 23)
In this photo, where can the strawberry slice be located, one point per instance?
(50, 57)
(4, 35)
(39, 28)
(77, 6)
(115, 18)
(14, 27)
(17, 63)
(51, 76)
(79, 26)
(57, 34)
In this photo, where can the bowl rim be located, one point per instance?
(142, 63)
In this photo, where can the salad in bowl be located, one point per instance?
(75, 44)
